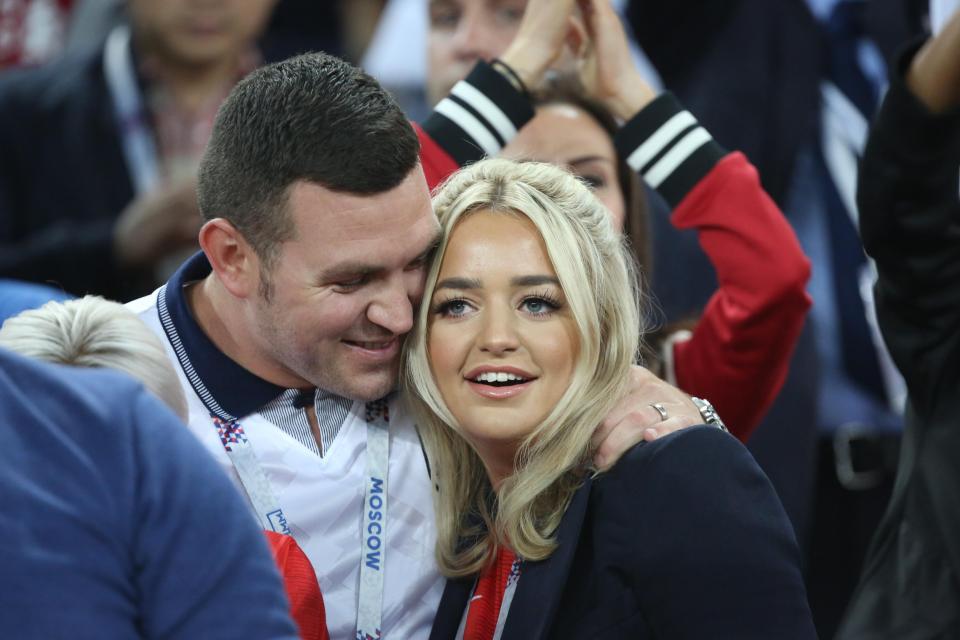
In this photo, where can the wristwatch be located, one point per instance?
(709, 414)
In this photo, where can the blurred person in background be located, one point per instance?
(295, 26)
(738, 352)
(32, 31)
(116, 523)
(794, 84)
(94, 333)
(462, 32)
(738, 358)
(97, 178)
(909, 215)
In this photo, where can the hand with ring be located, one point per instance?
(659, 408)
(650, 409)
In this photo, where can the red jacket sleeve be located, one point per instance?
(482, 113)
(739, 352)
(437, 163)
(302, 587)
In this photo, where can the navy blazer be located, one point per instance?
(683, 538)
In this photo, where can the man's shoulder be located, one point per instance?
(143, 303)
(145, 307)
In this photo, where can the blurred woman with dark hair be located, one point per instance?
(737, 353)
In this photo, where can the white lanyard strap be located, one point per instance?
(373, 552)
(372, 548)
(136, 139)
(254, 480)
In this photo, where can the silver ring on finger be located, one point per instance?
(659, 408)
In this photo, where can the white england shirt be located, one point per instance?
(322, 497)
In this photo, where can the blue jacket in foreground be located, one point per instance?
(115, 523)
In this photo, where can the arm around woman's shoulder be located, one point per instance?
(712, 551)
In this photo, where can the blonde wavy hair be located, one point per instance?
(598, 276)
(93, 332)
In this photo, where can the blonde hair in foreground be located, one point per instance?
(93, 332)
(599, 281)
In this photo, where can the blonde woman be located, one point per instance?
(527, 331)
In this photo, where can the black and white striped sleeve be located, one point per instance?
(482, 114)
(668, 147)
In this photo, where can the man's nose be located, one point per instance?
(392, 309)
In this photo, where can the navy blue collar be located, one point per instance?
(226, 388)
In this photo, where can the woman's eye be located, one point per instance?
(538, 306)
(444, 17)
(452, 308)
(456, 308)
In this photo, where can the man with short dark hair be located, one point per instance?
(288, 327)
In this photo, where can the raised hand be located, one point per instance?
(635, 419)
(546, 27)
(606, 67)
(934, 74)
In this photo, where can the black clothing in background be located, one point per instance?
(63, 180)
(910, 224)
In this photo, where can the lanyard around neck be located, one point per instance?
(136, 137)
(373, 535)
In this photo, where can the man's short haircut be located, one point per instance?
(314, 118)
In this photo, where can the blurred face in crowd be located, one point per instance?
(464, 31)
(340, 294)
(198, 32)
(568, 136)
(502, 341)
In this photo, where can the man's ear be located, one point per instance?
(233, 259)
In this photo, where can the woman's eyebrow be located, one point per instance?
(532, 281)
(585, 159)
(517, 281)
(459, 283)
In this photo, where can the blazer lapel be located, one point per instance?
(541, 584)
(452, 605)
